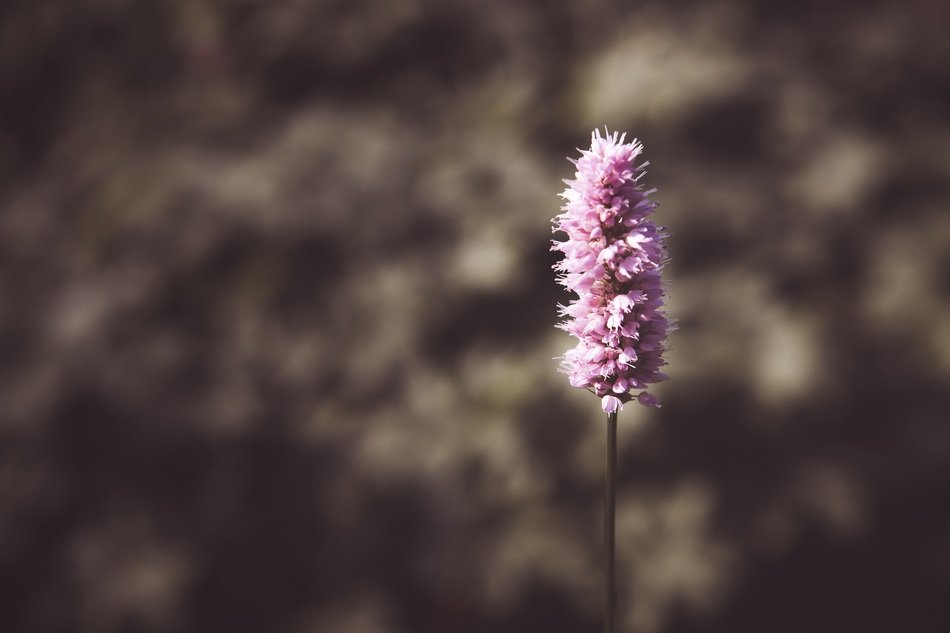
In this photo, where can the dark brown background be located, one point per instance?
(277, 317)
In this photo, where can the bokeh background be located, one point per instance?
(277, 317)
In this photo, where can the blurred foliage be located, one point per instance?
(277, 329)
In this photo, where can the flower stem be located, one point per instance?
(609, 504)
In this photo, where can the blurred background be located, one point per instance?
(277, 323)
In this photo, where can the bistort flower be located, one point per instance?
(613, 257)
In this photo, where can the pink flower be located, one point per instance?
(613, 257)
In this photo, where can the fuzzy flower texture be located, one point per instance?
(612, 260)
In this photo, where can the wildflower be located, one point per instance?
(613, 257)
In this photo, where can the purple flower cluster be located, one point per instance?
(612, 260)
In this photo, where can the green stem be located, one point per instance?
(609, 505)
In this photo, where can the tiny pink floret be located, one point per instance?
(613, 257)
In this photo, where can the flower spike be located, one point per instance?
(613, 257)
